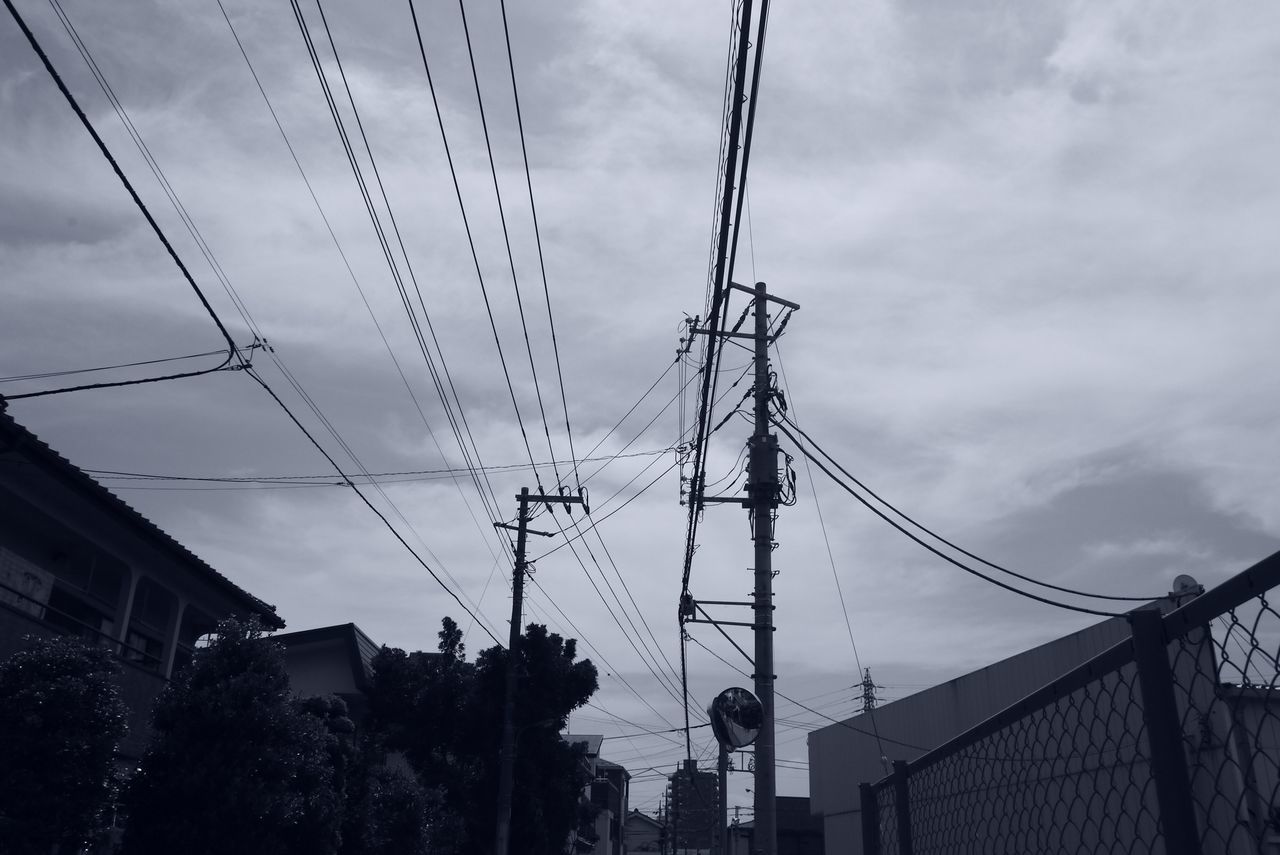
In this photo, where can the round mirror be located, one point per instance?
(736, 717)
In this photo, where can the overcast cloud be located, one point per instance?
(1034, 244)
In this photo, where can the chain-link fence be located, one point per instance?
(1168, 742)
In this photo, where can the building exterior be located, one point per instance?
(861, 749)
(694, 810)
(608, 791)
(642, 833)
(330, 660)
(77, 560)
(799, 831)
(609, 795)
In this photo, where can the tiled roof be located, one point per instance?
(15, 437)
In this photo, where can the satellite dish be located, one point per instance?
(736, 717)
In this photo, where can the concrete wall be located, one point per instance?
(843, 756)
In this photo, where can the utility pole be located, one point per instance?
(722, 811)
(764, 495)
(507, 753)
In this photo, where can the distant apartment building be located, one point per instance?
(693, 809)
(75, 559)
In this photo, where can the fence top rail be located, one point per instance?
(1239, 589)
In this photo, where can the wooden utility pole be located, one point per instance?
(507, 753)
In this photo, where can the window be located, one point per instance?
(86, 593)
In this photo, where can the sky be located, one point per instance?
(1033, 245)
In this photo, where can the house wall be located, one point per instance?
(320, 668)
(71, 565)
(641, 835)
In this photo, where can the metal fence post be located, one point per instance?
(902, 806)
(1164, 733)
(870, 820)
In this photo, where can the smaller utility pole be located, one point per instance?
(722, 814)
(507, 753)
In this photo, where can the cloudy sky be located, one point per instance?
(1034, 245)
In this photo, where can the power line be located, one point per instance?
(327, 480)
(484, 531)
(831, 559)
(502, 217)
(458, 422)
(368, 503)
(537, 234)
(232, 352)
(942, 539)
(466, 222)
(802, 706)
(45, 375)
(965, 567)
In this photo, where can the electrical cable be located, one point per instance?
(942, 539)
(831, 559)
(232, 353)
(232, 349)
(458, 421)
(67, 372)
(368, 503)
(965, 567)
(364, 298)
(537, 234)
(327, 480)
(475, 258)
(828, 718)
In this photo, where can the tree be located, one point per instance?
(236, 765)
(387, 813)
(445, 714)
(61, 722)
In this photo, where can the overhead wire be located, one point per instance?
(440, 376)
(359, 288)
(941, 539)
(232, 349)
(232, 353)
(311, 438)
(537, 234)
(406, 476)
(720, 279)
(466, 222)
(45, 375)
(781, 425)
(831, 559)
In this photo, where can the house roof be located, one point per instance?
(642, 817)
(603, 764)
(360, 648)
(16, 438)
